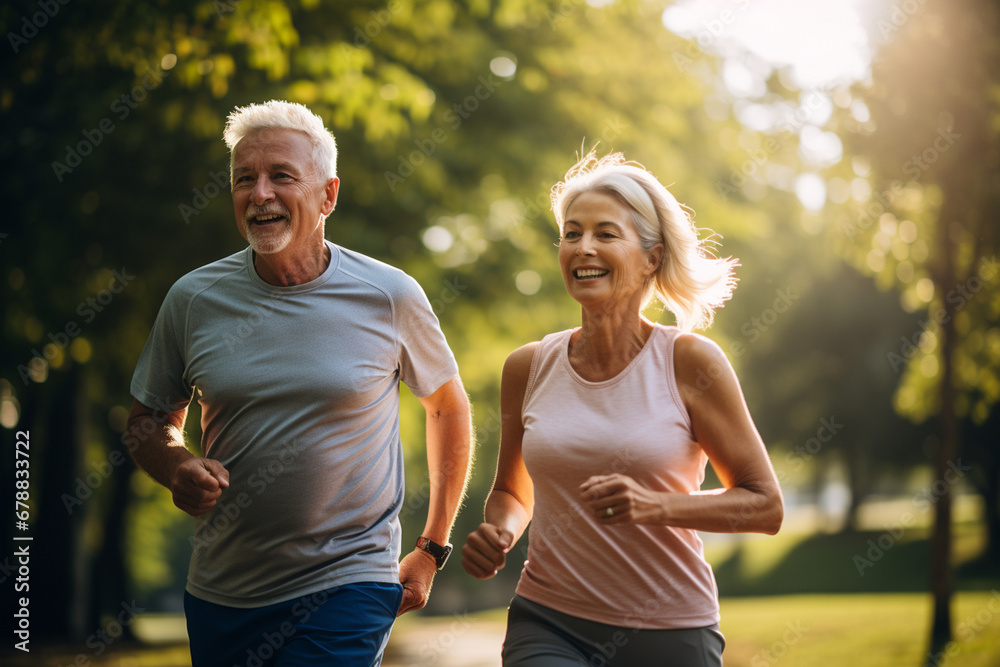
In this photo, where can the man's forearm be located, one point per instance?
(156, 446)
(156, 442)
(449, 457)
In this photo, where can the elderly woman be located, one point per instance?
(606, 429)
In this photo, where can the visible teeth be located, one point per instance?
(589, 273)
(268, 217)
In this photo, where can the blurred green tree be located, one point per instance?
(801, 323)
(929, 229)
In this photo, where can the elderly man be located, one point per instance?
(294, 348)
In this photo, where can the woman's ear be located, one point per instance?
(655, 257)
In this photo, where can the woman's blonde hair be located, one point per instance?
(691, 281)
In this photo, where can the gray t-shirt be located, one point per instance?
(299, 390)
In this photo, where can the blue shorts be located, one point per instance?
(347, 625)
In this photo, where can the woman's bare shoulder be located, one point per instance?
(519, 361)
(698, 360)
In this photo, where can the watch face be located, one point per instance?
(443, 558)
(440, 552)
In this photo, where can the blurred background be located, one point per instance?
(846, 151)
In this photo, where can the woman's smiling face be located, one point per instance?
(600, 252)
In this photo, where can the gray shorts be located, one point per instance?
(541, 637)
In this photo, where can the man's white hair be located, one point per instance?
(283, 115)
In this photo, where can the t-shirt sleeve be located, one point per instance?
(158, 381)
(425, 360)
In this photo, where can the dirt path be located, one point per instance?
(451, 641)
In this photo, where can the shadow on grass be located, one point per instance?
(847, 562)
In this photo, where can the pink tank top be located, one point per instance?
(648, 576)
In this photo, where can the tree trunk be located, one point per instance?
(942, 580)
(859, 482)
(108, 573)
(992, 501)
(56, 531)
(987, 439)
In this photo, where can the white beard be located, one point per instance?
(269, 242)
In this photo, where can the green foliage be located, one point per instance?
(929, 228)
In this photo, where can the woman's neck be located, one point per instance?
(608, 340)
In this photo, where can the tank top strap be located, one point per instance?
(670, 335)
(547, 353)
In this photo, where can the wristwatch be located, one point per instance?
(439, 552)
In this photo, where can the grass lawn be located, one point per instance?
(857, 630)
(853, 598)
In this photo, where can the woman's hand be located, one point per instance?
(629, 501)
(485, 550)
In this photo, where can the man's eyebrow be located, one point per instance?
(279, 166)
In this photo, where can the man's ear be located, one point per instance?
(332, 190)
